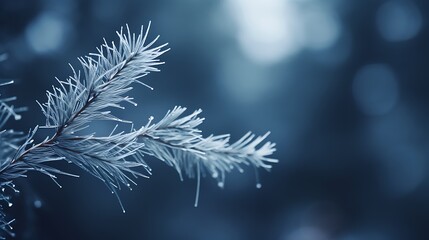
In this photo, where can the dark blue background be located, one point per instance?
(342, 86)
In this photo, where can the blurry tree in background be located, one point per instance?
(342, 85)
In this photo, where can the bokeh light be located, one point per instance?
(46, 34)
(243, 81)
(307, 233)
(399, 20)
(403, 165)
(322, 28)
(274, 30)
(375, 89)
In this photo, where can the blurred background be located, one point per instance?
(342, 86)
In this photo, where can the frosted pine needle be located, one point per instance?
(90, 94)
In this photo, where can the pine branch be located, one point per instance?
(9, 142)
(78, 101)
(177, 141)
(6, 110)
(118, 158)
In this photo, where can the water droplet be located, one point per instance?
(258, 185)
(220, 184)
(10, 204)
